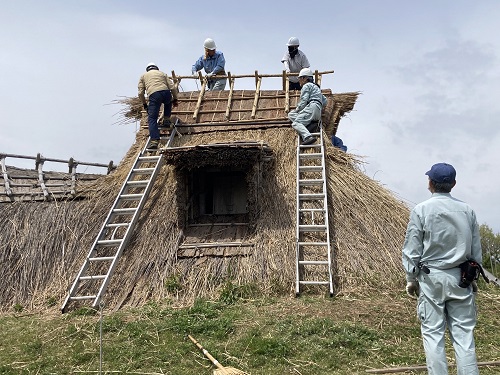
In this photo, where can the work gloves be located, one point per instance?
(175, 103)
(412, 289)
(195, 74)
(145, 105)
(209, 75)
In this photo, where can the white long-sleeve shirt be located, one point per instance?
(442, 233)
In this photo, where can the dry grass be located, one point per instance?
(43, 245)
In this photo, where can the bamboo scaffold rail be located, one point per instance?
(229, 95)
(38, 181)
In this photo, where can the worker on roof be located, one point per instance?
(160, 90)
(213, 62)
(309, 107)
(294, 60)
(442, 236)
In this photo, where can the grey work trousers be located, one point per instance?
(442, 304)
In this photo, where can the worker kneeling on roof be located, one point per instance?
(309, 107)
(160, 90)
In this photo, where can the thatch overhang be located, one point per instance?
(183, 247)
(243, 107)
(233, 154)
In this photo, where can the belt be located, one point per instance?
(315, 100)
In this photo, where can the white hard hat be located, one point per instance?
(209, 44)
(306, 72)
(293, 41)
(150, 66)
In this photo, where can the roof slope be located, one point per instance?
(43, 245)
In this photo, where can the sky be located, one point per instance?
(428, 73)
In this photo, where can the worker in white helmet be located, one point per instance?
(160, 90)
(294, 60)
(213, 63)
(309, 107)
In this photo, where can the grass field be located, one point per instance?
(306, 335)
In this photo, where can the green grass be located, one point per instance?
(307, 335)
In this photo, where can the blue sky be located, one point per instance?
(429, 73)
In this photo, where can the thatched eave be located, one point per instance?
(229, 154)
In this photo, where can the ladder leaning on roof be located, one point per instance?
(93, 278)
(313, 263)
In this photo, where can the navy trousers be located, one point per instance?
(156, 99)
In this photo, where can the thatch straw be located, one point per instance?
(43, 244)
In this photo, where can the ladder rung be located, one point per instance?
(310, 182)
(310, 146)
(138, 183)
(313, 243)
(312, 228)
(148, 158)
(131, 197)
(109, 242)
(311, 168)
(97, 277)
(303, 282)
(310, 156)
(116, 225)
(124, 210)
(312, 210)
(100, 259)
(143, 170)
(79, 298)
(311, 196)
(314, 262)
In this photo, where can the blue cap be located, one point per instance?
(442, 173)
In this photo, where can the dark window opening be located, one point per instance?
(217, 195)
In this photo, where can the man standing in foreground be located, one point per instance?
(160, 90)
(442, 234)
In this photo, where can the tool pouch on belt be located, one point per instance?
(470, 271)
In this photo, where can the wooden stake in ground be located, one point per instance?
(221, 370)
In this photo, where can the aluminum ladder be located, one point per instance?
(94, 276)
(314, 259)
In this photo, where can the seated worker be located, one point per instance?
(213, 63)
(309, 107)
(160, 90)
(294, 60)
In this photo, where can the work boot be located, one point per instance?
(309, 140)
(153, 145)
(166, 123)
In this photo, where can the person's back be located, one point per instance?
(442, 235)
(155, 80)
(448, 231)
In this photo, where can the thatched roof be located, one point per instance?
(177, 252)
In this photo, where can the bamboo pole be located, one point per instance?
(287, 96)
(230, 95)
(260, 75)
(200, 96)
(258, 80)
(391, 370)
